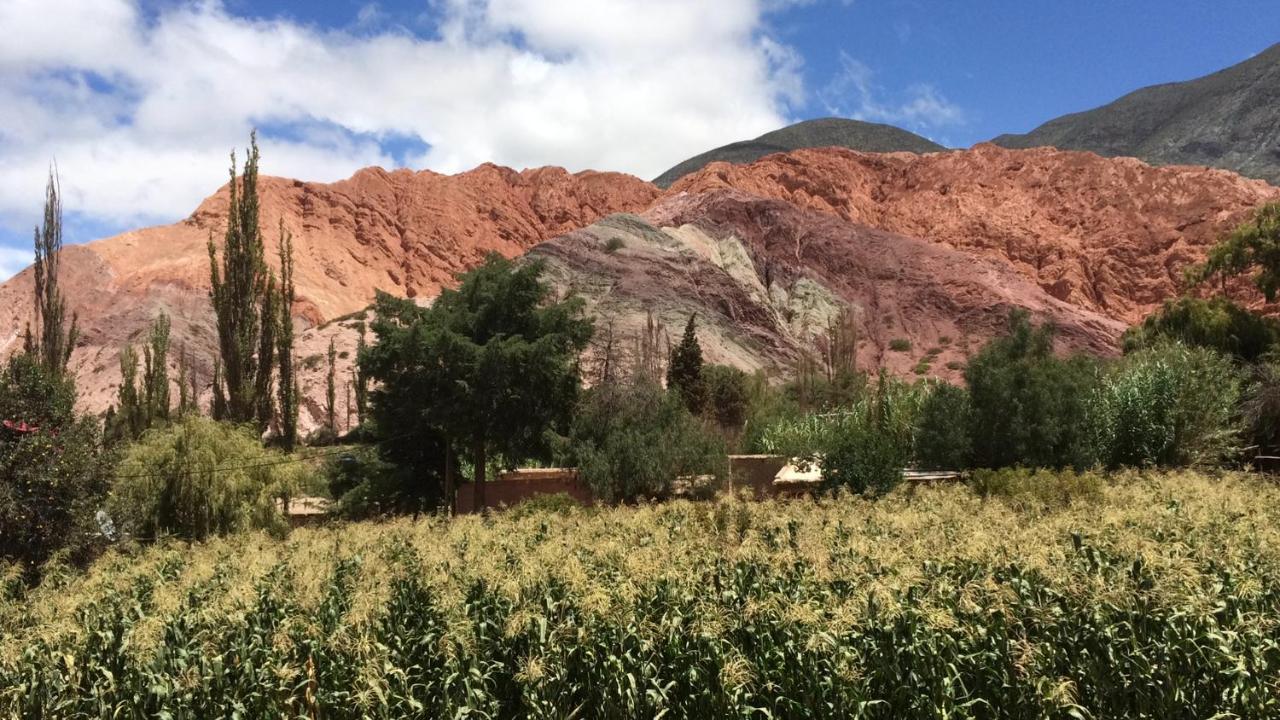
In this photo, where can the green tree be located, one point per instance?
(1029, 406)
(489, 368)
(127, 421)
(330, 395)
(1169, 405)
(684, 371)
(1215, 323)
(155, 374)
(726, 392)
(633, 441)
(51, 473)
(288, 381)
(942, 433)
(361, 379)
(199, 477)
(240, 294)
(188, 390)
(53, 342)
(1254, 246)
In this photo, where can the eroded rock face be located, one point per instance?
(1110, 235)
(765, 276)
(404, 232)
(933, 249)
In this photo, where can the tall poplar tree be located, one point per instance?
(684, 371)
(155, 373)
(240, 290)
(330, 390)
(288, 381)
(52, 342)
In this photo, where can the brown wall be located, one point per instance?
(755, 473)
(511, 489)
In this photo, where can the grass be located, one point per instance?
(1145, 595)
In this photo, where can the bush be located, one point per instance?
(614, 244)
(900, 345)
(633, 441)
(942, 432)
(199, 477)
(52, 475)
(1168, 405)
(1260, 408)
(1028, 406)
(1039, 490)
(1216, 323)
(726, 392)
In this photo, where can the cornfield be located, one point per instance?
(1157, 596)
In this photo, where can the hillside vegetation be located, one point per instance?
(1146, 595)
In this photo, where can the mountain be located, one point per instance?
(404, 232)
(932, 249)
(1230, 119)
(1107, 235)
(765, 276)
(823, 132)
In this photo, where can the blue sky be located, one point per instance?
(140, 100)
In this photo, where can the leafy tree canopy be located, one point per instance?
(490, 367)
(1254, 247)
(1215, 323)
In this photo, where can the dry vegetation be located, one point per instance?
(1143, 595)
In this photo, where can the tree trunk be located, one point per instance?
(450, 496)
(478, 457)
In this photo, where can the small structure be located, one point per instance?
(305, 510)
(515, 486)
(797, 478)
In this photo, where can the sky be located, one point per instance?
(139, 102)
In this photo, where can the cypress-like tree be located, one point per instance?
(361, 379)
(684, 371)
(128, 416)
(186, 383)
(52, 344)
(266, 356)
(155, 375)
(288, 381)
(330, 394)
(239, 292)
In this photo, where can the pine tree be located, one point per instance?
(288, 381)
(240, 296)
(684, 371)
(330, 389)
(155, 375)
(51, 345)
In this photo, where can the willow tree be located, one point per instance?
(241, 291)
(52, 341)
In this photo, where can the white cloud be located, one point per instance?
(13, 260)
(140, 111)
(921, 107)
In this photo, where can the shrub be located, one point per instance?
(900, 345)
(921, 368)
(1215, 323)
(1030, 407)
(1038, 490)
(199, 477)
(633, 441)
(1260, 408)
(942, 432)
(726, 393)
(614, 244)
(1168, 405)
(51, 472)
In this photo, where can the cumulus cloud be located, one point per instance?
(140, 109)
(921, 107)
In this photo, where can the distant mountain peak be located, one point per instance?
(819, 132)
(1229, 119)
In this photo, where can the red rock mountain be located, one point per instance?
(933, 249)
